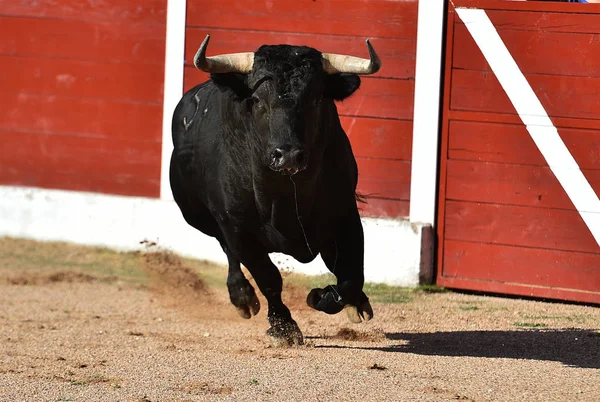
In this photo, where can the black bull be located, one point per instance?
(262, 163)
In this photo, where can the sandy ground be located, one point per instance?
(76, 337)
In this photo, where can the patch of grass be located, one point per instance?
(541, 317)
(309, 281)
(431, 289)
(95, 379)
(468, 307)
(493, 309)
(98, 378)
(382, 293)
(476, 301)
(213, 275)
(530, 324)
(51, 257)
(377, 292)
(105, 264)
(577, 318)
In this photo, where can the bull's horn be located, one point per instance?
(224, 63)
(341, 63)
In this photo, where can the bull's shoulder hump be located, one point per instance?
(199, 91)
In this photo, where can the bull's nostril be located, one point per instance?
(277, 155)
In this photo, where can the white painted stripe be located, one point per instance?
(173, 84)
(426, 115)
(534, 116)
(122, 222)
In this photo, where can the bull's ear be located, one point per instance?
(235, 82)
(341, 86)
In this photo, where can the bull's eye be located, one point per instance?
(255, 104)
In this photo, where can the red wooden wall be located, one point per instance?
(378, 118)
(505, 223)
(81, 94)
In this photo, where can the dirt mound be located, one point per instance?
(178, 286)
(167, 271)
(348, 334)
(39, 278)
(294, 297)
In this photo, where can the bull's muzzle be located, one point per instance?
(288, 161)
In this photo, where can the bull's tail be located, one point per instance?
(361, 198)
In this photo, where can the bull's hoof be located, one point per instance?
(245, 301)
(358, 314)
(326, 300)
(285, 334)
(329, 301)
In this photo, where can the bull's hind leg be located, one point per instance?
(241, 292)
(344, 258)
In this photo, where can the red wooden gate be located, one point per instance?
(517, 214)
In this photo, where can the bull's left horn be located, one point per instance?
(341, 63)
(224, 63)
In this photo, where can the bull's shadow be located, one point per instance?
(572, 347)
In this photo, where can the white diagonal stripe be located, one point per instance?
(534, 116)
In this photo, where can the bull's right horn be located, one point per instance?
(224, 63)
(341, 63)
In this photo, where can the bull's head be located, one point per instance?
(288, 93)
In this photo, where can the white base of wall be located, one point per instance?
(392, 247)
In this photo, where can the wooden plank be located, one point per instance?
(82, 117)
(487, 117)
(499, 183)
(136, 11)
(375, 18)
(95, 41)
(121, 81)
(383, 98)
(518, 226)
(384, 208)
(571, 22)
(519, 289)
(390, 99)
(379, 138)
(75, 181)
(543, 6)
(384, 178)
(536, 52)
(511, 143)
(561, 96)
(83, 155)
(397, 55)
(530, 266)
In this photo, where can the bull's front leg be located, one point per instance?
(245, 248)
(345, 259)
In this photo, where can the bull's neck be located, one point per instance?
(297, 191)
